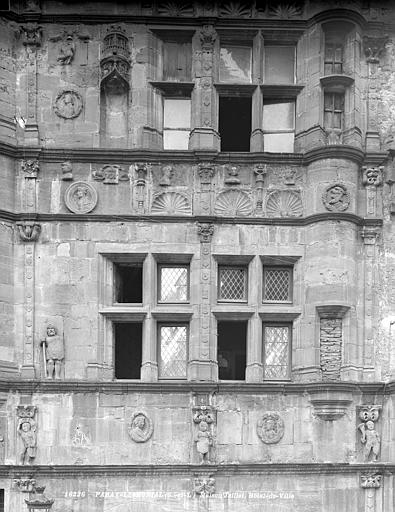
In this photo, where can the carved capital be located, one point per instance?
(372, 176)
(25, 484)
(29, 231)
(373, 47)
(260, 171)
(370, 234)
(206, 171)
(26, 411)
(369, 412)
(141, 169)
(208, 36)
(204, 485)
(205, 232)
(31, 35)
(370, 481)
(31, 168)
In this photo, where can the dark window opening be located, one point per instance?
(128, 350)
(232, 343)
(235, 123)
(1, 500)
(129, 283)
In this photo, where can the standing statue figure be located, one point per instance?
(27, 432)
(203, 440)
(53, 353)
(371, 438)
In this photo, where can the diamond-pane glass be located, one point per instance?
(276, 352)
(277, 285)
(173, 284)
(232, 284)
(173, 352)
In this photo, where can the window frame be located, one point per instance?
(116, 281)
(289, 325)
(161, 324)
(126, 320)
(290, 270)
(162, 265)
(273, 45)
(232, 267)
(178, 129)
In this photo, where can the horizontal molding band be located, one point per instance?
(194, 470)
(129, 156)
(290, 388)
(155, 219)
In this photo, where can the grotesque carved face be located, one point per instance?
(25, 426)
(51, 331)
(370, 425)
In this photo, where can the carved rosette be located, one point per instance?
(140, 428)
(270, 428)
(80, 197)
(336, 198)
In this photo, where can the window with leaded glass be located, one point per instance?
(277, 284)
(333, 58)
(278, 126)
(172, 353)
(333, 110)
(173, 283)
(279, 64)
(232, 284)
(276, 351)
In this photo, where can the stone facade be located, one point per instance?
(182, 327)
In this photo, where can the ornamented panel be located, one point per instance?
(171, 203)
(140, 428)
(336, 198)
(233, 203)
(284, 203)
(270, 428)
(68, 104)
(80, 197)
(331, 347)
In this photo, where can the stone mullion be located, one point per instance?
(149, 363)
(254, 367)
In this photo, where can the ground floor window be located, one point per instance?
(232, 350)
(128, 349)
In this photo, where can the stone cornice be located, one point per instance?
(75, 471)
(336, 151)
(262, 221)
(79, 386)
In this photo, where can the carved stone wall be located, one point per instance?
(331, 347)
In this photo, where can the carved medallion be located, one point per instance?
(270, 428)
(284, 203)
(233, 203)
(336, 198)
(141, 427)
(80, 197)
(68, 104)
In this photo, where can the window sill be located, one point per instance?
(274, 314)
(123, 314)
(232, 312)
(281, 91)
(174, 88)
(172, 315)
(336, 83)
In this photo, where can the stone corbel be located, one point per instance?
(373, 47)
(371, 482)
(205, 232)
(25, 484)
(330, 406)
(370, 234)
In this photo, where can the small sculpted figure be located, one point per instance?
(67, 170)
(66, 51)
(203, 442)
(371, 439)
(27, 432)
(141, 428)
(53, 353)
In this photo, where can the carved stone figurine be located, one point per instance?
(371, 439)
(203, 440)
(53, 352)
(27, 432)
(67, 170)
(66, 51)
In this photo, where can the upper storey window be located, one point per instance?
(279, 64)
(177, 61)
(333, 58)
(235, 64)
(336, 35)
(176, 122)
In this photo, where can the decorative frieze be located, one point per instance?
(141, 427)
(110, 174)
(26, 429)
(270, 428)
